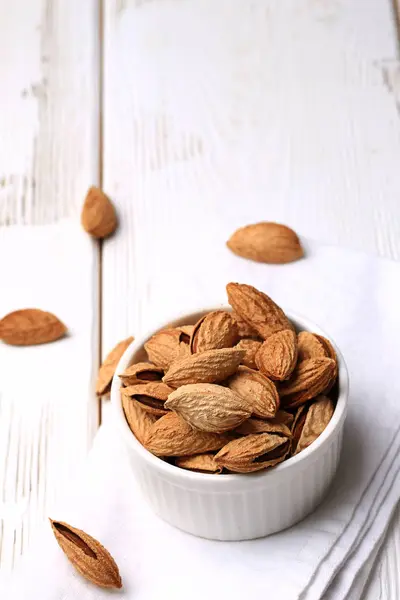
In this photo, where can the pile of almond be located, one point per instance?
(237, 392)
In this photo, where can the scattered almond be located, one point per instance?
(277, 356)
(87, 555)
(30, 326)
(266, 242)
(107, 369)
(98, 214)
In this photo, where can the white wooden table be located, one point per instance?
(186, 112)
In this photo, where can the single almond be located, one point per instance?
(107, 369)
(274, 425)
(209, 407)
(200, 463)
(253, 452)
(310, 378)
(278, 355)
(257, 391)
(139, 420)
(207, 367)
(330, 353)
(266, 242)
(317, 418)
(215, 330)
(30, 326)
(309, 346)
(87, 555)
(142, 372)
(172, 436)
(150, 396)
(257, 309)
(98, 215)
(167, 346)
(250, 348)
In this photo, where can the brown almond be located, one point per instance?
(207, 367)
(107, 369)
(317, 418)
(329, 352)
(98, 214)
(274, 425)
(167, 346)
(209, 407)
(257, 309)
(30, 326)
(244, 329)
(310, 378)
(253, 452)
(297, 427)
(309, 346)
(278, 355)
(257, 391)
(141, 373)
(266, 242)
(200, 463)
(87, 555)
(150, 396)
(250, 348)
(139, 420)
(172, 436)
(215, 330)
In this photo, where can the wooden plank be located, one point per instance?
(221, 114)
(49, 113)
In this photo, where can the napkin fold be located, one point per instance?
(329, 554)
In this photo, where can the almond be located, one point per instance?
(274, 425)
(310, 378)
(257, 309)
(316, 419)
(150, 396)
(166, 346)
(266, 242)
(141, 373)
(278, 355)
(215, 330)
(30, 326)
(98, 216)
(139, 420)
(244, 329)
(250, 348)
(253, 452)
(209, 407)
(257, 391)
(107, 369)
(309, 346)
(201, 463)
(208, 367)
(297, 427)
(172, 436)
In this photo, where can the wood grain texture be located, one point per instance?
(48, 157)
(220, 114)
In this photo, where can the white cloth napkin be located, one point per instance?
(355, 299)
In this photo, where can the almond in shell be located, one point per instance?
(266, 242)
(274, 425)
(253, 452)
(250, 348)
(310, 378)
(167, 346)
(257, 391)
(257, 309)
(207, 367)
(316, 419)
(139, 420)
(215, 330)
(278, 355)
(142, 372)
(150, 396)
(200, 463)
(244, 329)
(173, 436)
(209, 407)
(30, 326)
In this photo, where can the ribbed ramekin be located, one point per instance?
(235, 507)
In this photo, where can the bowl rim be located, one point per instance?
(171, 471)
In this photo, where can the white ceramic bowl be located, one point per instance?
(235, 507)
